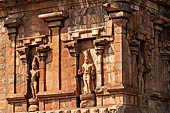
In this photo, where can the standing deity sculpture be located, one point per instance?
(87, 72)
(141, 69)
(144, 67)
(34, 77)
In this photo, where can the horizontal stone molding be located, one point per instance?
(16, 98)
(56, 95)
(27, 41)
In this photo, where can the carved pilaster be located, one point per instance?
(99, 47)
(12, 25)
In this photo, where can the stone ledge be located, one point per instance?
(53, 16)
(16, 98)
(56, 95)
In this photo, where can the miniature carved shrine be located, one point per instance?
(85, 56)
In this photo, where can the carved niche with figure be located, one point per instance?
(87, 72)
(34, 83)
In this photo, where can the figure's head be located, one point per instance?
(86, 56)
(34, 63)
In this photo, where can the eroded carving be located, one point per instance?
(144, 65)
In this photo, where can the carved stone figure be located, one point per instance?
(34, 77)
(144, 66)
(141, 69)
(88, 73)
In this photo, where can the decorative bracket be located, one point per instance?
(72, 47)
(23, 51)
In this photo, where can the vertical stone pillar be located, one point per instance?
(99, 47)
(42, 51)
(120, 53)
(42, 68)
(12, 26)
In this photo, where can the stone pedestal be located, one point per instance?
(87, 100)
(33, 105)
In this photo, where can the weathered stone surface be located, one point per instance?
(95, 56)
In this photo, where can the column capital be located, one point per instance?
(12, 25)
(54, 19)
(42, 51)
(23, 51)
(99, 45)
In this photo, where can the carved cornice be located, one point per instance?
(39, 41)
(29, 41)
(85, 33)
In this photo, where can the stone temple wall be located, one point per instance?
(85, 56)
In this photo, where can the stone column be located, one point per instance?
(42, 68)
(42, 52)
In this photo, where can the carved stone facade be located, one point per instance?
(85, 56)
